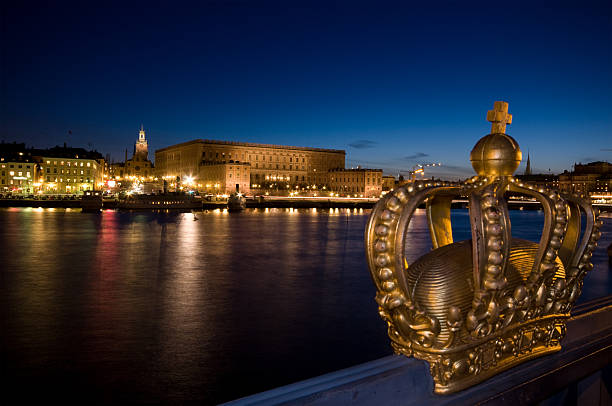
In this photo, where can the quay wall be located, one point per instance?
(277, 202)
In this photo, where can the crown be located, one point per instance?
(478, 307)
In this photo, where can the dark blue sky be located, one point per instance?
(394, 84)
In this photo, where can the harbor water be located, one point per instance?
(118, 307)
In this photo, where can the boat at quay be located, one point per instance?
(91, 201)
(236, 202)
(167, 201)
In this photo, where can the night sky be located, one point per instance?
(392, 83)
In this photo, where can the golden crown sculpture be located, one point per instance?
(475, 308)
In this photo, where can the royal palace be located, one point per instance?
(224, 166)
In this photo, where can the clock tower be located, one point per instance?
(141, 148)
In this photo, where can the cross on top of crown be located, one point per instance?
(499, 117)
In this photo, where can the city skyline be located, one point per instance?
(392, 85)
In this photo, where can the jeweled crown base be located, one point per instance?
(457, 368)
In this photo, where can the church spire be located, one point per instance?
(528, 167)
(141, 148)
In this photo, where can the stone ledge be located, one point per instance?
(399, 380)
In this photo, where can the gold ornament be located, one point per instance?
(475, 308)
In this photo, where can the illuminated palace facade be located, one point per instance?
(224, 166)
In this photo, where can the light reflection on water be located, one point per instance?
(172, 307)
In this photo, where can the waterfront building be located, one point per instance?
(540, 180)
(277, 166)
(117, 169)
(358, 182)
(53, 170)
(17, 176)
(223, 177)
(17, 169)
(68, 170)
(388, 183)
(587, 179)
(70, 175)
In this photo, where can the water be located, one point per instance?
(164, 308)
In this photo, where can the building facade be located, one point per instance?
(388, 183)
(17, 177)
(587, 179)
(269, 165)
(356, 182)
(70, 175)
(61, 170)
(540, 180)
(224, 177)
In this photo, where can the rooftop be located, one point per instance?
(252, 144)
